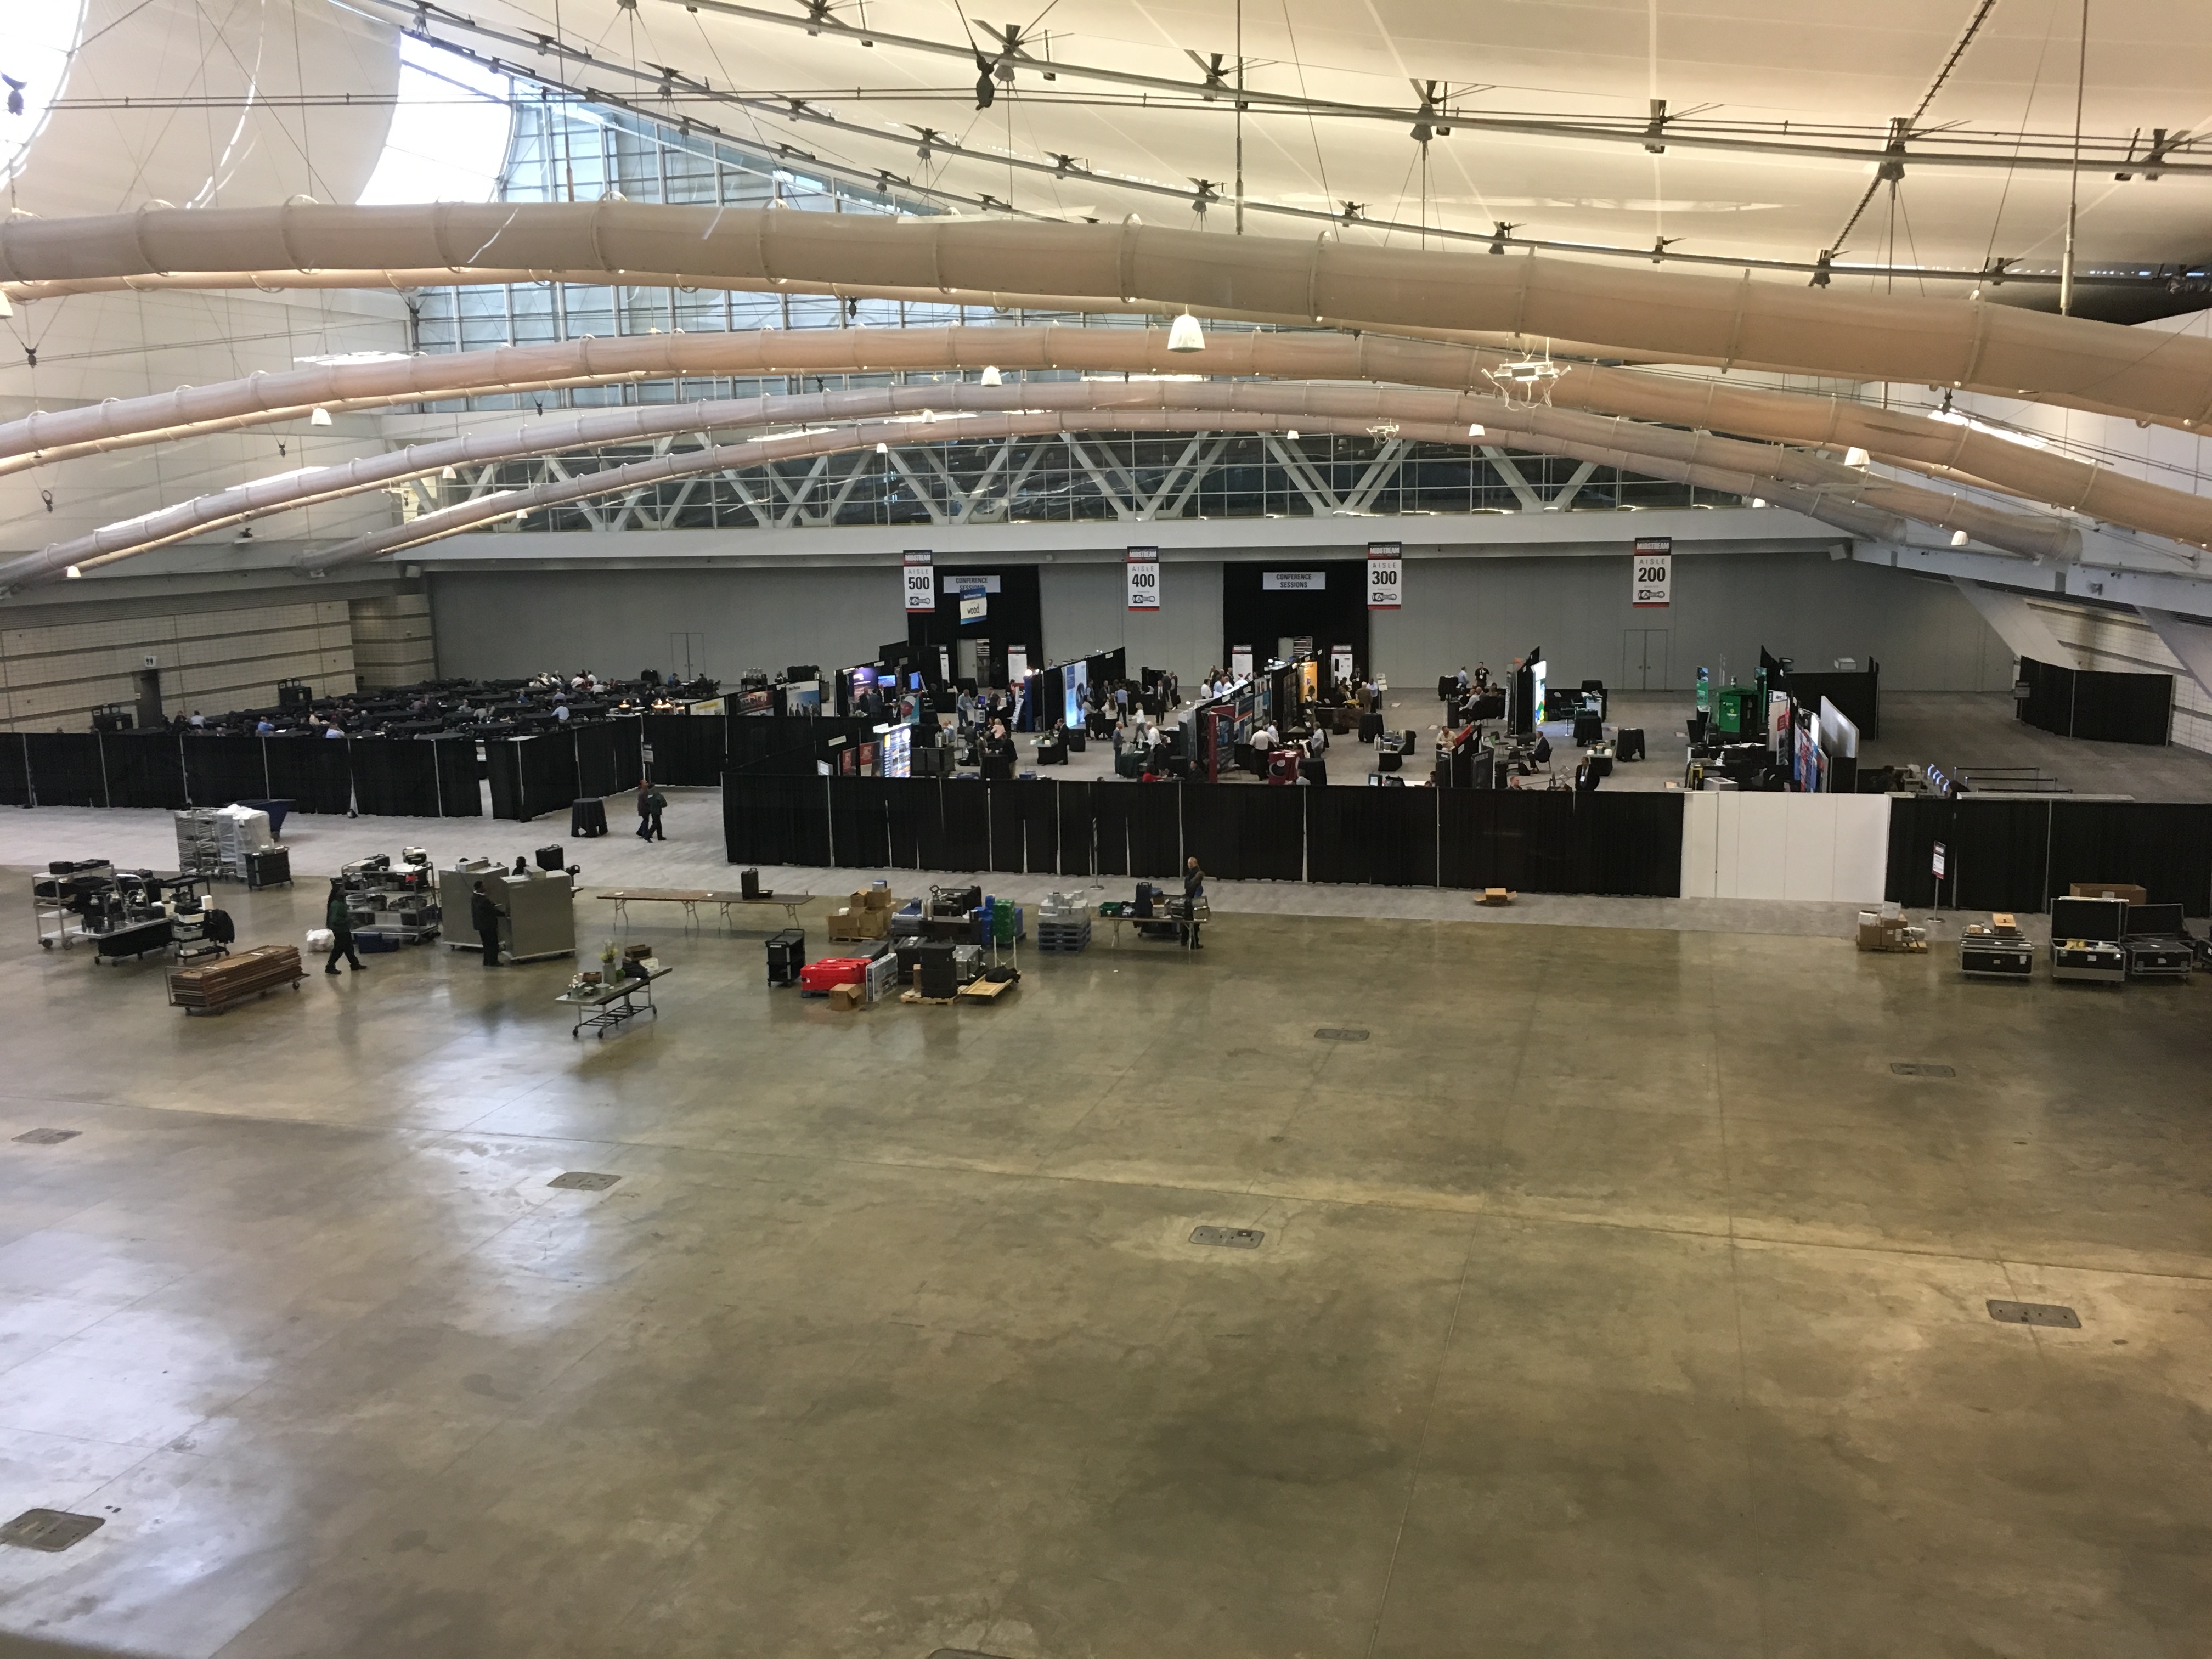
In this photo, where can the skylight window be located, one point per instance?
(449, 130)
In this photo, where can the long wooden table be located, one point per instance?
(692, 898)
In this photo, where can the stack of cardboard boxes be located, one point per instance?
(866, 915)
(1887, 929)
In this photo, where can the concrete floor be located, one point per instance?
(1616, 1298)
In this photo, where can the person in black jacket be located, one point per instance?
(483, 916)
(650, 803)
(339, 920)
(1194, 894)
(998, 752)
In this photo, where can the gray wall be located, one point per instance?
(499, 626)
(1806, 606)
(1802, 605)
(1086, 611)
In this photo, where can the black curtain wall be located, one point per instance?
(14, 770)
(65, 769)
(395, 777)
(1254, 612)
(2018, 854)
(687, 749)
(1553, 842)
(460, 784)
(315, 774)
(597, 771)
(142, 769)
(545, 772)
(2103, 707)
(219, 771)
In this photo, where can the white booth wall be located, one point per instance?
(1773, 846)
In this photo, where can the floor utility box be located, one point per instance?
(2084, 939)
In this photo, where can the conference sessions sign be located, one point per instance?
(1654, 568)
(1143, 565)
(921, 582)
(1386, 578)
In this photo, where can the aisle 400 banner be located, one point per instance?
(1144, 568)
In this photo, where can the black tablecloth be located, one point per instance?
(588, 817)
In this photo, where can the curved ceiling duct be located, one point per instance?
(1953, 451)
(2001, 349)
(1232, 403)
(1865, 517)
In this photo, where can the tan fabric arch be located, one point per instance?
(1953, 451)
(2011, 352)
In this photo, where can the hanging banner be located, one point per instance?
(1385, 575)
(1240, 662)
(1293, 581)
(921, 586)
(1017, 663)
(974, 608)
(1340, 663)
(1654, 568)
(1143, 564)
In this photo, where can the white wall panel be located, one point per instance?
(1762, 846)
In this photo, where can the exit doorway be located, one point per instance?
(1643, 658)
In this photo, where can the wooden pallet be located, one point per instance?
(984, 990)
(934, 1002)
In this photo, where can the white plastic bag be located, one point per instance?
(319, 939)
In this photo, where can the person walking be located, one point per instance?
(650, 803)
(483, 916)
(1194, 894)
(339, 920)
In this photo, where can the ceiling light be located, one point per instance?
(6, 308)
(321, 417)
(882, 449)
(990, 375)
(1857, 458)
(1756, 503)
(73, 572)
(1185, 335)
(1476, 431)
(1293, 434)
(1959, 538)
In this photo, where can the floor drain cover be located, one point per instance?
(1914, 1068)
(1340, 1033)
(2035, 1313)
(1235, 1239)
(48, 1137)
(584, 1181)
(51, 1530)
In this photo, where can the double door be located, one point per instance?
(1643, 658)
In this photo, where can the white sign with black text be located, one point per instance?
(1385, 575)
(1143, 564)
(1653, 565)
(921, 585)
(1293, 581)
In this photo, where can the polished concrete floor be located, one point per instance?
(1616, 1297)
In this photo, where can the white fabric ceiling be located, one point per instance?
(1809, 62)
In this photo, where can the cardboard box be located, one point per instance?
(843, 924)
(880, 898)
(1497, 895)
(2118, 890)
(846, 998)
(1881, 932)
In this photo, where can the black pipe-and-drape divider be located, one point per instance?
(14, 770)
(395, 779)
(1548, 842)
(2018, 854)
(687, 749)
